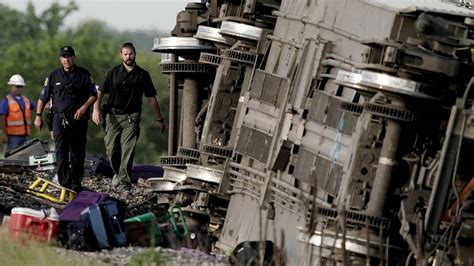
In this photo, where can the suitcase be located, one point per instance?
(77, 235)
(81, 237)
(32, 147)
(72, 211)
(106, 222)
(145, 171)
(95, 165)
(114, 223)
(93, 216)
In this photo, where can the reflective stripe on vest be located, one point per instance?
(15, 120)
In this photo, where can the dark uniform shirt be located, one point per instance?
(126, 89)
(68, 90)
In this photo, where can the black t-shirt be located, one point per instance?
(126, 89)
(68, 90)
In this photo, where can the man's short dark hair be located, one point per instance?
(128, 45)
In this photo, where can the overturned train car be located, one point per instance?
(341, 130)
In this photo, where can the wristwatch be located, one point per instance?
(38, 114)
(160, 120)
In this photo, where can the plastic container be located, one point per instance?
(146, 222)
(28, 224)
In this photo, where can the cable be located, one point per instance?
(440, 240)
(407, 262)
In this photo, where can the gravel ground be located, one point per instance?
(11, 197)
(146, 256)
(191, 257)
(138, 201)
(138, 194)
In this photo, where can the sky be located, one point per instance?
(120, 14)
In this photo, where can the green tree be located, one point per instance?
(53, 17)
(29, 45)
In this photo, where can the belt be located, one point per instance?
(115, 111)
(71, 115)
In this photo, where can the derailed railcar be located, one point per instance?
(340, 130)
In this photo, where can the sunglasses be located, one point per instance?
(19, 87)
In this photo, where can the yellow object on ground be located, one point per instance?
(48, 190)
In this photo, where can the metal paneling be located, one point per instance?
(319, 106)
(327, 175)
(325, 110)
(437, 6)
(268, 88)
(254, 144)
(318, 171)
(304, 164)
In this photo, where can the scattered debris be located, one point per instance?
(13, 193)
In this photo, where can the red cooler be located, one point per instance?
(29, 224)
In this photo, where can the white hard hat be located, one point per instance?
(16, 80)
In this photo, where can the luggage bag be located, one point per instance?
(72, 212)
(106, 222)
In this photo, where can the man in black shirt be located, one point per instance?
(72, 92)
(126, 84)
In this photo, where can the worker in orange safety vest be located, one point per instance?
(15, 114)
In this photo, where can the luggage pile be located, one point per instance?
(89, 220)
(93, 221)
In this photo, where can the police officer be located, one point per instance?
(126, 85)
(72, 90)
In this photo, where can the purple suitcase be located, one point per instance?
(145, 171)
(72, 212)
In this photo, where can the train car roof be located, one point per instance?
(451, 7)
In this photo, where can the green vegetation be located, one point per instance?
(29, 45)
(13, 253)
(147, 258)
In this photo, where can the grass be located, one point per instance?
(13, 253)
(147, 258)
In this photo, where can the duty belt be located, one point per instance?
(67, 119)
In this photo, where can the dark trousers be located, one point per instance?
(70, 145)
